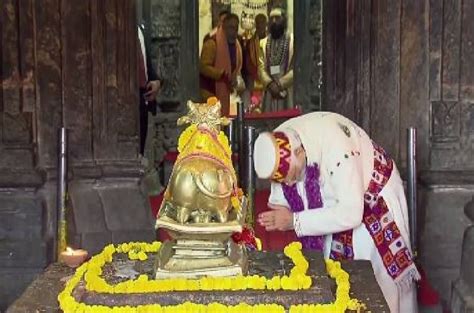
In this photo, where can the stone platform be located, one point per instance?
(42, 293)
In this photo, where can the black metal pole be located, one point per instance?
(61, 241)
(241, 143)
(250, 181)
(412, 184)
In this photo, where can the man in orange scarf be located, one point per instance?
(221, 63)
(222, 15)
(252, 50)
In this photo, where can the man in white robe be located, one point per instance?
(275, 65)
(341, 193)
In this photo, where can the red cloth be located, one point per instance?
(427, 295)
(155, 202)
(251, 56)
(223, 61)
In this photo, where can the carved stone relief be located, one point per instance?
(165, 46)
(445, 121)
(169, 66)
(166, 19)
(452, 134)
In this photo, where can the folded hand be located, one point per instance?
(279, 218)
(152, 89)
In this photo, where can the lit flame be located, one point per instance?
(69, 250)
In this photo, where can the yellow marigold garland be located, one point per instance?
(297, 279)
(93, 269)
(204, 143)
(186, 136)
(193, 139)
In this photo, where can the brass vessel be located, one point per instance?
(202, 205)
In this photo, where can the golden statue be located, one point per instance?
(202, 205)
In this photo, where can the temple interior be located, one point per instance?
(88, 158)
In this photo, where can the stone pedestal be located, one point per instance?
(194, 259)
(462, 295)
(362, 279)
(441, 222)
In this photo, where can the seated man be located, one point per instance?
(221, 64)
(342, 194)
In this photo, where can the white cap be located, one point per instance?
(265, 155)
(276, 12)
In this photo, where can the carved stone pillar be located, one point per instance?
(173, 35)
(308, 53)
(70, 64)
(100, 108)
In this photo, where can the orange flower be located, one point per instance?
(212, 100)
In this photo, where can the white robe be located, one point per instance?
(342, 189)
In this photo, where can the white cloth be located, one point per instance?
(346, 163)
(285, 78)
(141, 39)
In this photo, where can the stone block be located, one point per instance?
(462, 298)
(21, 230)
(94, 242)
(13, 281)
(127, 236)
(108, 210)
(442, 224)
(23, 253)
(125, 207)
(467, 260)
(462, 295)
(469, 210)
(448, 258)
(87, 208)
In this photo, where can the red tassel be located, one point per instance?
(427, 295)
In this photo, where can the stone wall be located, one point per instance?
(71, 64)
